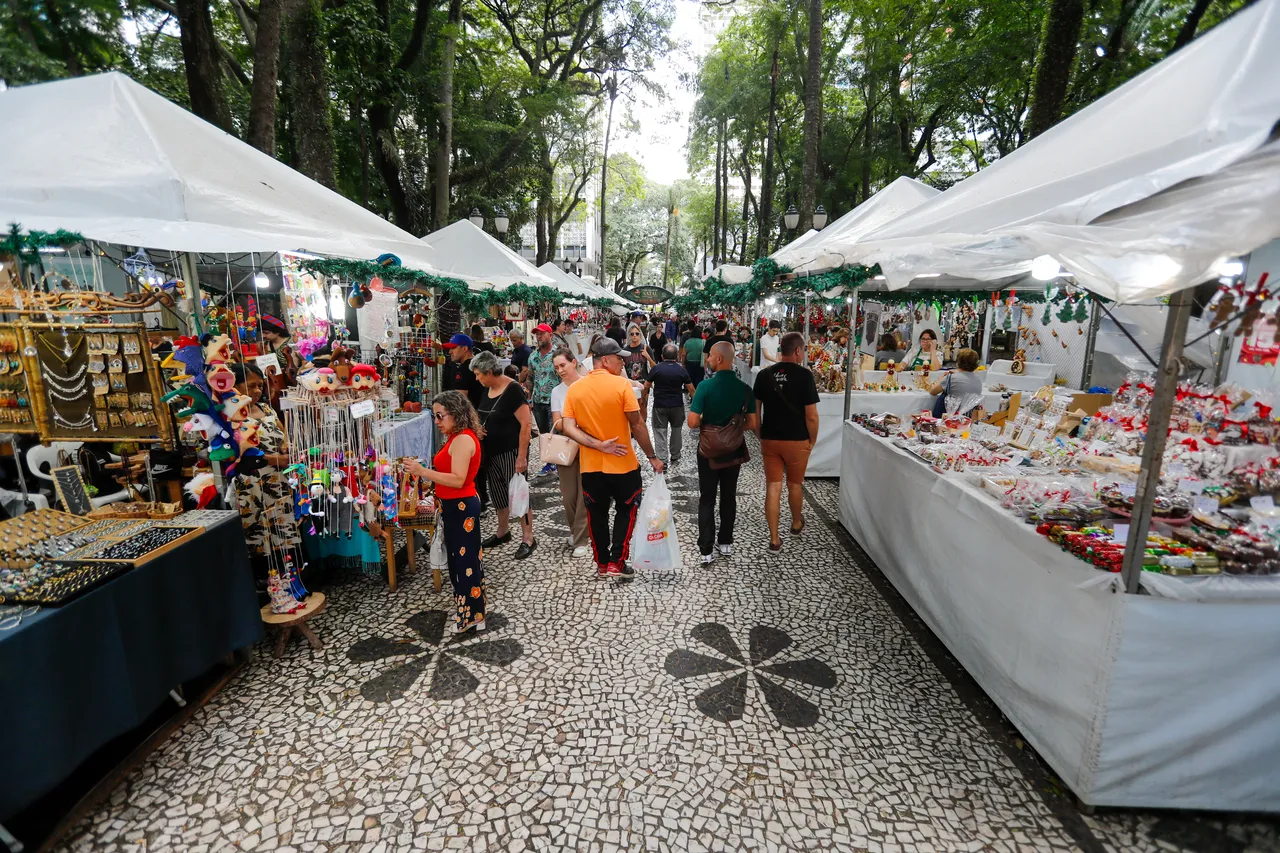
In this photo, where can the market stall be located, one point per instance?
(90, 660)
(1112, 580)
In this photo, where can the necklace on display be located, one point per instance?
(86, 421)
(67, 349)
(65, 382)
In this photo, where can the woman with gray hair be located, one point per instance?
(505, 427)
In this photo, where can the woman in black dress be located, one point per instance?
(505, 429)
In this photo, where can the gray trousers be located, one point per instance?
(663, 418)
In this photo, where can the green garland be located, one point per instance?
(403, 278)
(26, 247)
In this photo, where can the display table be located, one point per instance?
(1134, 701)
(407, 434)
(77, 676)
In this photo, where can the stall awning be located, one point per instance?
(1206, 109)
(826, 249)
(108, 158)
(577, 288)
(465, 251)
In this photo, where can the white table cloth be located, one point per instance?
(1134, 701)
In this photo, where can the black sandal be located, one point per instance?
(795, 531)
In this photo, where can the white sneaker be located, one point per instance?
(581, 551)
(727, 550)
(708, 559)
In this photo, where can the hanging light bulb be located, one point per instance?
(337, 304)
(261, 280)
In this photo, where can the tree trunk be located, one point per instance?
(1054, 61)
(1191, 24)
(357, 116)
(444, 150)
(765, 226)
(263, 96)
(309, 90)
(715, 221)
(724, 192)
(812, 118)
(202, 63)
(612, 89)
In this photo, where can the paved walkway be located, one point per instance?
(762, 703)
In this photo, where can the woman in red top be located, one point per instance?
(454, 473)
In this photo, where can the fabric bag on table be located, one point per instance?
(557, 449)
(518, 495)
(653, 543)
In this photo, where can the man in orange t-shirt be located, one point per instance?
(601, 413)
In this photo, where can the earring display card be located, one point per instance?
(109, 389)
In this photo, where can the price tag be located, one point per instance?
(363, 409)
(1206, 504)
(1190, 487)
(1177, 470)
(1128, 489)
(331, 416)
(267, 363)
(1262, 503)
(1121, 534)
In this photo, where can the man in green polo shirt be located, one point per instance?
(715, 402)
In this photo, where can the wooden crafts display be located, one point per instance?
(81, 382)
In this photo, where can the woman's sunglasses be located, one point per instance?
(438, 415)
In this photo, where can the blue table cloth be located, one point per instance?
(73, 678)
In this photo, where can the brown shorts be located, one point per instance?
(791, 457)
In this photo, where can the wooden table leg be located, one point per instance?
(281, 639)
(305, 630)
(391, 558)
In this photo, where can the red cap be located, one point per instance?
(542, 327)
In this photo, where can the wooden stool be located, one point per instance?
(409, 553)
(287, 623)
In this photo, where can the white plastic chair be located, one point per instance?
(41, 459)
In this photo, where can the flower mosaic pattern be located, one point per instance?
(726, 700)
(450, 678)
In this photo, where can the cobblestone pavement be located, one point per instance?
(760, 703)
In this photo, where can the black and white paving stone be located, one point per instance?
(760, 703)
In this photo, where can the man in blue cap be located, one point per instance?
(457, 373)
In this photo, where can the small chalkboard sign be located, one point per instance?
(69, 485)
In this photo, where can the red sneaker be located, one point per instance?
(614, 570)
(602, 571)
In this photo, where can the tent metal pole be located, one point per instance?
(1095, 320)
(754, 314)
(853, 353)
(191, 278)
(988, 320)
(806, 329)
(1175, 332)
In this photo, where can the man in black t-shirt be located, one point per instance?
(722, 334)
(669, 382)
(457, 373)
(788, 432)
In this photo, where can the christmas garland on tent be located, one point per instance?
(26, 247)
(402, 278)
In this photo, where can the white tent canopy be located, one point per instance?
(108, 158)
(570, 285)
(823, 250)
(465, 251)
(1204, 110)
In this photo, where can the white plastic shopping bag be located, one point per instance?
(518, 494)
(439, 557)
(654, 544)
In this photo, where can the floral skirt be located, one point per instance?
(461, 517)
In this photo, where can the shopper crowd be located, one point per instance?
(590, 405)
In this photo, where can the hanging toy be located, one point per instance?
(355, 298)
(1045, 318)
(203, 488)
(1082, 314)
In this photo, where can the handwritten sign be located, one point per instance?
(363, 409)
(1206, 504)
(1121, 534)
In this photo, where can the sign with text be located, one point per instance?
(648, 294)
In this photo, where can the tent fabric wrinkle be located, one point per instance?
(465, 251)
(1208, 110)
(140, 170)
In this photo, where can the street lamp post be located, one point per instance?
(791, 217)
(476, 219)
(820, 218)
(501, 222)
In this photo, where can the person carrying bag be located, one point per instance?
(723, 408)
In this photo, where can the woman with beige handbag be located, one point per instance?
(562, 452)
